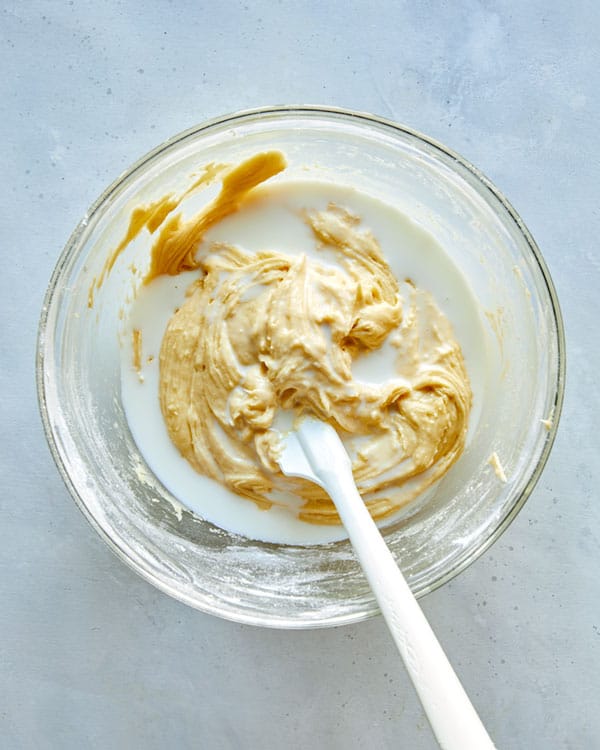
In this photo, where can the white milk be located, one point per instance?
(273, 221)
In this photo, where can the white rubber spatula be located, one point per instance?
(315, 452)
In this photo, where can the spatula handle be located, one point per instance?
(451, 714)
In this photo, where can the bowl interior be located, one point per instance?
(437, 536)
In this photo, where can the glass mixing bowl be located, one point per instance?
(78, 371)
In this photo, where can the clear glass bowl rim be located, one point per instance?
(336, 113)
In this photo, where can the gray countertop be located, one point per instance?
(91, 656)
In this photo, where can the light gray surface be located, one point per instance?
(93, 657)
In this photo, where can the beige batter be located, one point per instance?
(264, 332)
